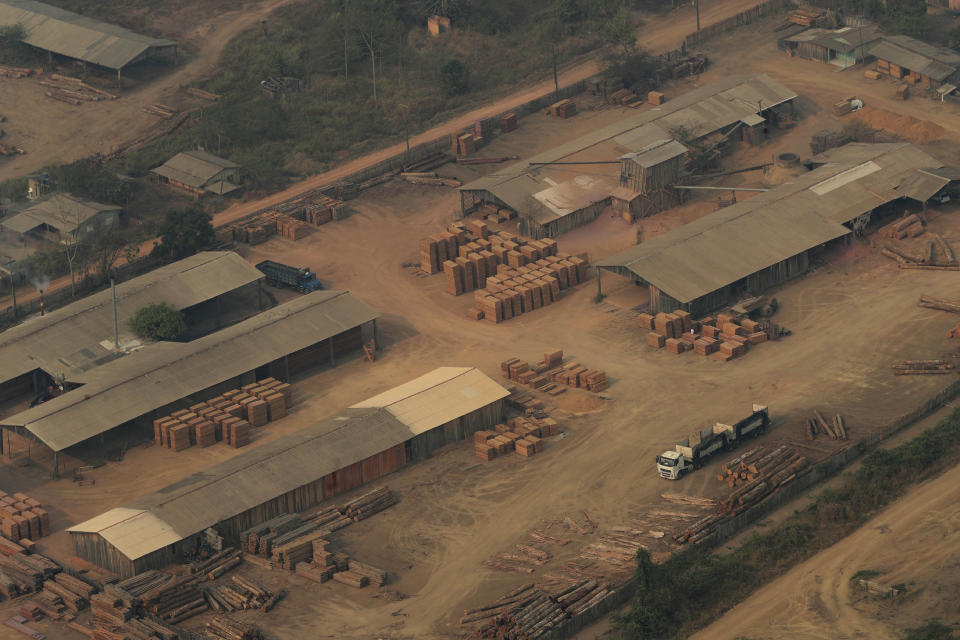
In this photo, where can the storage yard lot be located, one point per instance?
(851, 318)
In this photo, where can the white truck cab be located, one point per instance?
(672, 465)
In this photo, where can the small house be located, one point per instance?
(841, 47)
(915, 61)
(200, 172)
(64, 217)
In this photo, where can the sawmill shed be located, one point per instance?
(132, 391)
(917, 62)
(79, 337)
(553, 194)
(767, 240)
(199, 172)
(840, 47)
(344, 451)
(75, 36)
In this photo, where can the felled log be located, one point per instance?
(939, 303)
(824, 424)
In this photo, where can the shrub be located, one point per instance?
(455, 78)
(158, 322)
(183, 232)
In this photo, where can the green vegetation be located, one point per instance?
(865, 574)
(183, 232)
(158, 322)
(907, 17)
(932, 630)
(12, 49)
(695, 586)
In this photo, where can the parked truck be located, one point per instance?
(691, 453)
(283, 275)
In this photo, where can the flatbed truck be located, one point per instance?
(279, 274)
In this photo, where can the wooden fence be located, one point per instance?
(762, 10)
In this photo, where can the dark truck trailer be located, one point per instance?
(283, 275)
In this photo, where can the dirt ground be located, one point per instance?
(914, 542)
(54, 132)
(852, 316)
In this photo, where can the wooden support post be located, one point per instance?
(219, 319)
(56, 465)
(286, 368)
(333, 359)
(599, 286)
(376, 338)
(260, 294)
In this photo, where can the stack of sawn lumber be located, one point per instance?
(548, 374)
(74, 593)
(21, 573)
(227, 417)
(520, 434)
(326, 565)
(724, 337)
(22, 518)
(224, 628)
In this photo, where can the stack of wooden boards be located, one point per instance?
(288, 539)
(325, 565)
(291, 220)
(565, 108)
(227, 417)
(521, 434)
(461, 240)
(724, 337)
(514, 291)
(836, 430)
(22, 518)
(224, 628)
(922, 367)
(550, 373)
(22, 572)
(494, 214)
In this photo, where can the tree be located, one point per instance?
(183, 232)
(560, 20)
(105, 248)
(160, 321)
(375, 22)
(620, 32)
(454, 78)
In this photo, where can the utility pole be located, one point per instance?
(697, 4)
(116, 319)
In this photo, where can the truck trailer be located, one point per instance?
(691, 453)
(283, 275)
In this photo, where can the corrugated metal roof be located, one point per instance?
(194, 168)
(76, 36)
(163, 373)
(843, 40)
(220, 492)
(733, 243)
(60, 211)
(68, 340)
(926, 59)
(657, 153)
(438, 397)
(703, 110)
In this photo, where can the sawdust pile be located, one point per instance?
(906, 127)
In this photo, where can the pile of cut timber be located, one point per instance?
(429, 178)
(160, 110)
(22, 518)
(909, 226)
(494, 214)
(836, 430)
(287, 226)
(224, 628)
(21, 573)
(922, 367)
(622, 96)
(806, 17)
(724, 337)
(618, 549)
(177, 599)
(548, 374)
(227, 417)
(563, 109)
(241, 594)
(756, 464)
(520, 434)
(326, 565)
(524, 401)
(369, 503)
(521, 559)
(74, 593)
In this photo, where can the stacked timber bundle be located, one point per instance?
(241, 594)
(508, 122)
(290, 228)
(74, 592)
(224, 628)
(228, 417)
(548, 374)
(131, 589)
(326, 565)
(922, 367)
(563, 109)
(724, 337)
(296, 546)
(257, 539)
(177, 599)
(522, 435)
(22, 518)
(26, 573)
(109, 611)
(806, 17)
(369, 504)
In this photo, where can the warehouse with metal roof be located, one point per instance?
(295, 472)
(81, 336)
(766, 240)
(75, 36)
(906, 58)
(162, 377)
(552, 198)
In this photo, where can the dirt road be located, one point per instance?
(54, 132)
(913, 542)
(657, 34)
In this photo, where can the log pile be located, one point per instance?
(922, 367)
(176, 600)
(227, 418)
(241, 594)
(369, 503)
(74, 593)
(160, 110)
(521, 559)
(935, 256)
(26, 573)
(835, 429)
(723, 338)
(909, 226)
(21, 518)
(224, 628)
(109, 611)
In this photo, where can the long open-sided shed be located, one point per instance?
(339, 453)
(75, 36)
(553, 194)
(764, 241)
(162, 377)
(79, 337)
